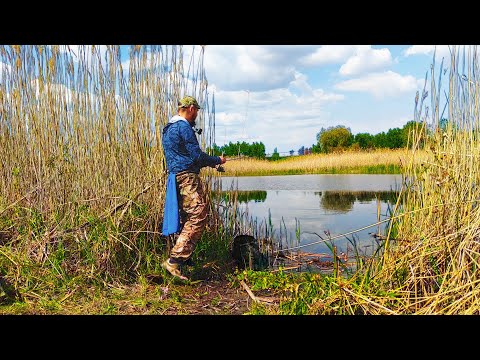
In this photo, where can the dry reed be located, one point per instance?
(80, 141)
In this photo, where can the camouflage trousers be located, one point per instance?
(193, 214)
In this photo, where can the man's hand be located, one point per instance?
(224, 159)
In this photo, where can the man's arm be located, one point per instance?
(197, 154)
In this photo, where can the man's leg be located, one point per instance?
(194, 207)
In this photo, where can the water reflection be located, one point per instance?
(343, 201)
(307, 210)
(244, 196)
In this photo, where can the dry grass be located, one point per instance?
(82, 169)
(383, 161)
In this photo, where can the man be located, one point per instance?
(185, 158)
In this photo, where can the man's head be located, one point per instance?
(188, 101)
(188, 108)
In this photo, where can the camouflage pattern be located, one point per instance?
(187, 101)
(193, 214)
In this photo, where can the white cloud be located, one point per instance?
(85, 52)
(329, 54)
(381, 85)
(251, 67)
(365, 60)
(277, 117)
(441, 50)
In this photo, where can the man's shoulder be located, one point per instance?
(183, 124)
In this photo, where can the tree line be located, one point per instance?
(255, 150)
(338, 138)
(330, 139)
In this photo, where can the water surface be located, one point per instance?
(307, 210)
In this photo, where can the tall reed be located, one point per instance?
(82, 168)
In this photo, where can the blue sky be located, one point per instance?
(282, 95)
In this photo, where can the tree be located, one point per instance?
(416, 128)
(256, 150)
(335, 138)
(394, 138)
(364, 140)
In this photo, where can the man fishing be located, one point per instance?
(185, 159)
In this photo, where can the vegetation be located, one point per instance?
(255, 150)
(82, 172)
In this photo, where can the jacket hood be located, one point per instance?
(176, 118)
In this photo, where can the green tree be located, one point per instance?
(416, 128)
(256, 150)
(364, 140)
(380, 140)
(394, 138)
(336, 138)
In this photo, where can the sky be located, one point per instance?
(282, 95)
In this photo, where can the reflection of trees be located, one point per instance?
(244, 196)
(384, 196)
(337, 200)
(343, 200)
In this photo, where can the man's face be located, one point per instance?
(194, 112)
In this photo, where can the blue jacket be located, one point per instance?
(181, 148)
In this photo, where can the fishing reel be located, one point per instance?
(220, 168)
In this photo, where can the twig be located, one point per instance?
(247, 289)
(252, 295)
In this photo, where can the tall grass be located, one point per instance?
(82, 169)
(435, 260)
(430, 262)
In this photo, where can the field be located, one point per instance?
(382, 161)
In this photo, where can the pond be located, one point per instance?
(308, 212)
